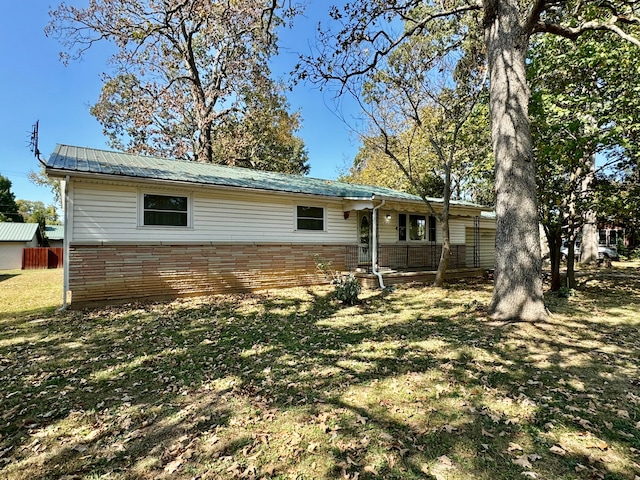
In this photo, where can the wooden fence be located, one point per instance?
(41, 258)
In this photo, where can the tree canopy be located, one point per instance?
(8, 206)
(584, 103)
(187, 75)
(38, 212)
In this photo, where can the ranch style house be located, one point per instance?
(139, 227)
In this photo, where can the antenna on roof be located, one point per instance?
(33, 143)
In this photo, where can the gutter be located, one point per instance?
(374, 242)
(67, 243)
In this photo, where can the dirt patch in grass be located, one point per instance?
(415, 383)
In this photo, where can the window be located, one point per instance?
(418, 227)
(310, 218)
(165, 210)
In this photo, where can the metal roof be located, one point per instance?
(67, 160)
(17, 232)
(54, 232)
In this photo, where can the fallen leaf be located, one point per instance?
(523, 461)
(173, 466)
(371, 470)
(530, 474)
(623, 414)
(558, 450)
(514, 446)
(487, 434)
(597, 443)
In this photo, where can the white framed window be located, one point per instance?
(162, 210)
(310, 218)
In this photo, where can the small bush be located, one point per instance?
(347, 289)
(564, 292)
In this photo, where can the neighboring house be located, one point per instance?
(14, 237)
(55, 235)
(140, 227)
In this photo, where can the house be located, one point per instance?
(141, 227)
(55, 235)
(14, 237)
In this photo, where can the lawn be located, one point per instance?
(415, 383)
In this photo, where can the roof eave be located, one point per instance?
(62, 173)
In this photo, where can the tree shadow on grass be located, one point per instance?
(258, 386)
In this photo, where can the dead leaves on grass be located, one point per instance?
(205, 382)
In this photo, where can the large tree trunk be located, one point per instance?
(446, 237)
(589, 245)
(517, 290)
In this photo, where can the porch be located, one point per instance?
(406, 263)
(391, 277)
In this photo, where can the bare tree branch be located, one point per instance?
(572, 33)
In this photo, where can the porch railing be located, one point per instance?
(409, 257)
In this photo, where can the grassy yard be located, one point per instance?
(416, 383)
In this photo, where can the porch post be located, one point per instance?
(374, 244)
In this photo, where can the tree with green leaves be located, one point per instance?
(363, 41)
(584, 103)
(184, 72)
(38, 212)
(8, 206)
(41, 179)
(371, 166)
(420, 119)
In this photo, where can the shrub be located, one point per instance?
(347, 287)
(564, 292)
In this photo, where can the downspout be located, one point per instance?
(374, 243)
(67, 240)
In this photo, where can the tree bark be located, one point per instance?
(518, 284)
(446, 236)
(589, 245)
(571, 264)
(554, 240)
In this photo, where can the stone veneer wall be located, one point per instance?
(116, 273)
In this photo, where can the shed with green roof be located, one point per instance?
(138, 226)
(14, 237)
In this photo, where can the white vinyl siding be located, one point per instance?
(487, 247)
(104, 212)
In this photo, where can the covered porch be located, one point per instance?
(401, 241)
(400, 264)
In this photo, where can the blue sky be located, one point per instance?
(35, 85)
